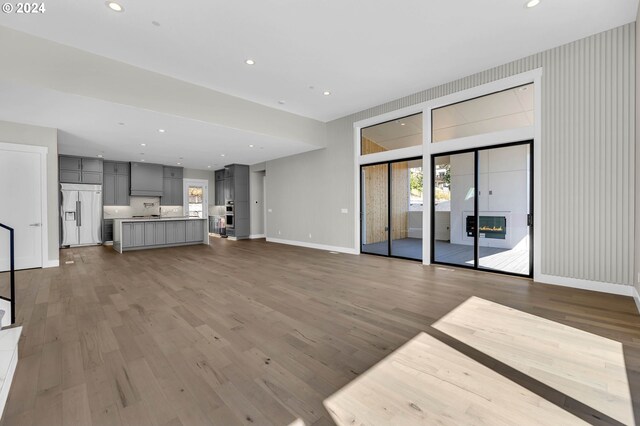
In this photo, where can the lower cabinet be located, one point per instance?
(133, 234)
(150, 233)
(195, 230)
(176, 232)
(154, 233)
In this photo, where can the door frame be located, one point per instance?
(389, 216)
(186, 182)
(476, 238)
(43, 151)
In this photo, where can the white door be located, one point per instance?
(20, 208)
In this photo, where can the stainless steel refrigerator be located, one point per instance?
(81, 212)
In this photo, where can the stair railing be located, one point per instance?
(12, 273)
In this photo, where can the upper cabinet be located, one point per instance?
(146, 179)
(219, 187)
(173, 194)
(115, 190)
(80, 169)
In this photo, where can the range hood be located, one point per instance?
(146, 179)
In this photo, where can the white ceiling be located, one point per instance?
(365, 52)
(90, 127)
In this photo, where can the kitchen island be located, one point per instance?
(147, 233)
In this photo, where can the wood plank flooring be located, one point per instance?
(253, 333)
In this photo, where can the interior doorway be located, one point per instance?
(482, 208)
(391, 208)
(21, 207)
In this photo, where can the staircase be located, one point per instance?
(9, 336)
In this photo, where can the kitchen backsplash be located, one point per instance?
(142, 206)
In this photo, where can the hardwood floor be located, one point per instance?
(250, 332)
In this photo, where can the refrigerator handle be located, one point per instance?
(78, 210)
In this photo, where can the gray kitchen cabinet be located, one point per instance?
(70, 163)
(146, 179)
(79, 170)
(116, 184)
(92, 165)
(149, 234)
(194, 230)
(122, 190)
(109, 190)
(176, 232)
(173, 172)
(70, 176)
(160, 233)
(92, 178)
(172, 192)
(138, 234)
(219, 193)
(127, 235)
(236, 190)
(219, 188)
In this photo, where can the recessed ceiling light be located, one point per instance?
(221, 155)
(143, 144)
(402, 124)
(161, 130)
(281, 102)
(251, 146)
(531, 3)
(179, 164)
(326, 93)
(208, 167)
(250, 62)
(100, 155)
(116, 7)
(142, 159)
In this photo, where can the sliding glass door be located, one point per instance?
(391, 209)
(482, 209)
(375, 209)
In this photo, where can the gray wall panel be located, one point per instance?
(588, 186)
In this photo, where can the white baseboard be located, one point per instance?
(313, 245)
(51, 263)
(621, 289)
(256, 236)
(636, 297)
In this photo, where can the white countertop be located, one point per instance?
(154, 219)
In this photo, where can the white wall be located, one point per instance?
(588, 162)
(24, 134)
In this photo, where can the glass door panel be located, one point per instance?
(454, 209)
(406, 209)
(504, 205)
(375, 209)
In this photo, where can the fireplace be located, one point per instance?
(494, 227)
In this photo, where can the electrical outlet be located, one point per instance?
(269, 210)
(309, 236)
(639, 277)
(345, 211)
(279, 233)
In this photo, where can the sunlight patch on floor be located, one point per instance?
(587, 367)
(427, 382)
